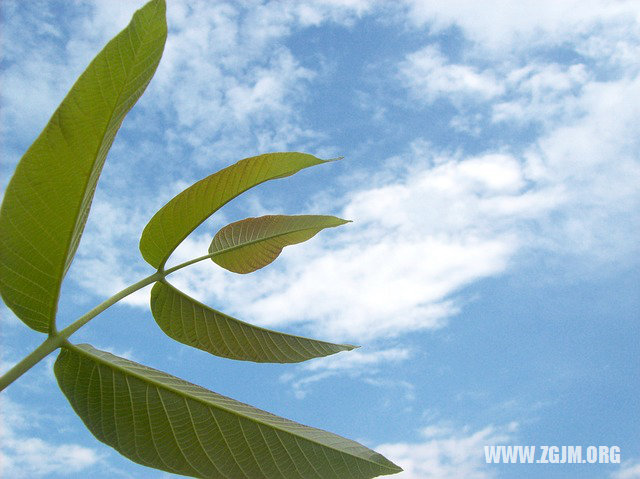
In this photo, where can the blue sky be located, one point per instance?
(492, 171)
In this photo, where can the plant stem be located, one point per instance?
(85, 318)
(56, 340)
(192, 261)
(50, 344)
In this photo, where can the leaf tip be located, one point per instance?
(341, 221)
(338, 158)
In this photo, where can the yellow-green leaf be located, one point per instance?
(164, 422)
(250, 244)
(192, 323)
(181, 215)
(47, 201)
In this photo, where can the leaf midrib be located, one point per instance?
(259, 240)
(266, 330)
(164, 257)
(90, 185)
(108, 126)
(161, 385)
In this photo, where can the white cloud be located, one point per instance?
(614, 46)
(502, 25)
(227, 85)
(25, 456)
(511, 53)
(583, 157)
(541, 93)
(355, 364)
(108, 259)
(425, 231)
(628, 470)
(232, 85)
(422, 232)
(428, 75)
(594, 158)
(447, 453)
(41, 63)
(356, 359)
(239, 89)
(420, 236)
(536, 93)
(417, 240)
(374, 290)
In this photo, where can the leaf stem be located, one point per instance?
(85, 318)
(188, 263)
(55, 340)
(50, 344)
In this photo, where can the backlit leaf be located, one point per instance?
(181, 215)
(250, 244)
(48, 199)
(190, 322)
(164, 422)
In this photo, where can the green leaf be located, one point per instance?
(164, 422)
(48, 199)
(194, 324)
(253, 243)
(181, 215)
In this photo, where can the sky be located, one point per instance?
(492, 172)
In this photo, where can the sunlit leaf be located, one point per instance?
(190, 322)
(250, 244)
(48, 199)
(164, 422)
(180, 216)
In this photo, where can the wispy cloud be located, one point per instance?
(433, 220)
(594, 159)
(428, 75)
(498, 26)
(226, 94)
(446, 452)
(418, 239)
(26, 456)
(239, 89)
(364, 365)
(542, 94)
(628, 470)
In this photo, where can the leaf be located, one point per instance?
(194, 324)
(164, 422)
(182, 214)
(48, 199)
(250, 244)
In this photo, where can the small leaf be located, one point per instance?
(48, 199)
(250, 244)
(164, 422)
(194, 324)
(181, 215)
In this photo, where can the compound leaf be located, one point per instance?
(164, 422)
(182, 214)
(250, 244)
(194, 324)
(48, 199)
